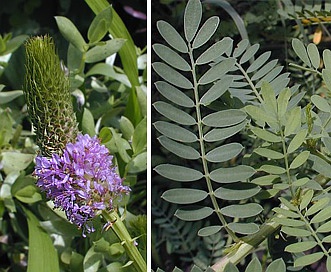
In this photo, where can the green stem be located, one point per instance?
(127, 242)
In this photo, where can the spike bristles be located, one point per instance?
(46, 89)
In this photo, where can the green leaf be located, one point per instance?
(178, 173)
(250, 52)
(327, 58)
(272, 169)
(174, 113)
(288, 222)
(100, 25)
(174, 95)
(6, 97)
(42, 254)
(265, 180)
(240, 48)
(326, 74)
(300, 159)
(217, 90)
(286, 212)
(296, 232)
(219, 134)
(210, 230)
(306, 199)
(194, 214)
(88, 122)
(300, 182)
(171, 36)
(319, 205)
(224, 118)
(293, 122)
(328, 264)
(237, 191)
(308, 259)
(28, 194)
(181, 150)
(323, 215)
(327, 239)
(242, 211)
(171, 57)
(215, 51)
(206, 31)
(277, 266)
(192, 18)
(320, 103)
(282, 101)
(266, 135)
(261, 60)
(171, 75)
(100, 52)
(301, 51)
(15, 161)
(269, 97)
(268, 153)
(297, 141)
(254, 266)
(324, 228)
(138, 164)
(230, 267)
(260, 114)
(244, 228)
(314, 55)
(184, 195)
(217, 71)
(71, 33)
(139, 137)
(300, 246)
(232, 174)
(264, 71)
(320, 166)
(224, 153)
(126, 127)
(175, 132)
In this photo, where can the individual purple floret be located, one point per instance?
(82, 181)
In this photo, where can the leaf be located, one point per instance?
(205, 32)
(126, 127)
(327, 58)
(242, 211)
(276, 266)
(326, 227)
(175, 132)
(171, 57)
(250, 52)
(293, 122)
(235, 192)
(88, 122)
(232, 174)
(265, 180)
(300, 182)
(319, 205)
(259, 62)
(184, 195)
(217, 90)
(100, 25)
(300, 50)
(194, 214)
(171, 75)
(272, 169)
(224, 118)
(224, 153)
(296, 232)
(313, 55)
(181, 150)
(323, 215)
(139, 137)
(328, 263)
(15, 161)
(28, 194)
(288, 222)
(320, 103)
(300, 246)
(173, 94)
(171, 36)
(192, 18)
(42, 254)
(174, 113)
(254, 266)
(308, 259)
(300, 159)
(210, 230)
(320, 166)
(100, 52)
(244, 228)
(259, 114)
(326, 75)
(264, 70)
(240, 48)
(286, 212)
(6, 97)
(217, 71)
(214, 51)
(71, 33)
(297, 141)
(178, 173)
(306, 199)
(266, 135)
(138, 164)
(269, 153)
(219, 134)
(230, 267)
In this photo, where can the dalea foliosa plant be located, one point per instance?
(75, 171)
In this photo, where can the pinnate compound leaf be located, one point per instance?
(171, 36)
(100, 25)
(240, 48)
(224, 118)
(296, 232)
(171, 75)
(224, 153)
(217, 90)
(178, 173)
(250, 52)
(174, 114)
(175, 132)
(297, 141)
(217, 71)
(171, 57)
(323, 215)
(242, 211)
(244, 228)
(300, 159)
(277, 266)
(194, 214)
(215, 51)
(319, 205)
(210, 230)
(237, 191)
(300, 246)
(181, 150)
(206, 31)
(266, 135)
(219, 134)
(173, 94)
(254, 266)
(232, 174)
(184, 195)
(320, 103)
(300, 49)
(192, 18)
(261, 60)
(308, 259)
(314, 55)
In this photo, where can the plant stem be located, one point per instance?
(127, 242)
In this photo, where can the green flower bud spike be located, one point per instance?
(46, 89)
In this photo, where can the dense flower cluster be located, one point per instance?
(82, 181)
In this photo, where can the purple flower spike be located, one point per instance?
(82, 182)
